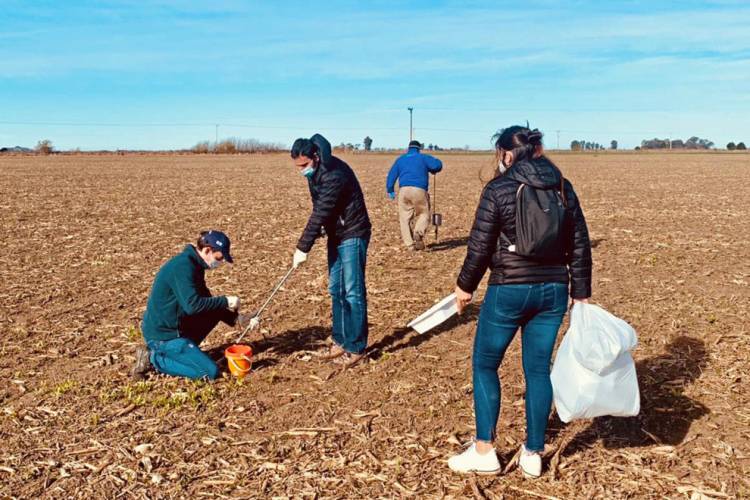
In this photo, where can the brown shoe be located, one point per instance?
(418, 243)
(349, 359)
(332, 352)
(142, 363)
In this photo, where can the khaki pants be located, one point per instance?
(413, 207)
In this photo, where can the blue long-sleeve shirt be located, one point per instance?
(412, 169)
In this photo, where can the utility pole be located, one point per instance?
(558, 139)
(411, 129)
(216, 141)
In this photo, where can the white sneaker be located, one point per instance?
(530, 463)
(473, 461)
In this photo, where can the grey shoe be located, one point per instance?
(349, 359)
(142, 363)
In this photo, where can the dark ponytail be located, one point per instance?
(521, 141)
(524, 143)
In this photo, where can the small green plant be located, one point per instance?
(133, 334)
(64, 387)
(201, 393)
(94, 419)
(171, 402)
(135, 393)
(132, 393)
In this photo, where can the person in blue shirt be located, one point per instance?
(411, 171)
(181, 312)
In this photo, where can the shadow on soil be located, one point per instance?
(281, 345)
(393, 341)
(448, 244)
(313, 338)
(666, 413)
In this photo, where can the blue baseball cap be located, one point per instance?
(219, 242)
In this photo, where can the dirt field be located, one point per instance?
(83, 237)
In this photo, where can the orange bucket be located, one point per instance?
(239, 359)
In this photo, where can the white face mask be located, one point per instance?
(501, 167)
(213, 263)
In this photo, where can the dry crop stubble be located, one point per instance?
(84, 236)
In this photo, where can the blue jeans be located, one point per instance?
(538, 309)
(181, 356)
(346, 284)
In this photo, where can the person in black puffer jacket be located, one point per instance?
(523, 292)
(338, 210)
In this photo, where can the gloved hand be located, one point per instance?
(248, 320)
(234, 302)
(391, 196)
(299, 258)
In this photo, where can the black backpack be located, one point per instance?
(541, 223)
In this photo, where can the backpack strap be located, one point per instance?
(503, 236)
(562, 192)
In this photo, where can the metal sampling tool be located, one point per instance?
(265, 304)
(437, 219)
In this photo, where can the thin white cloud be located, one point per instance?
(370, 45)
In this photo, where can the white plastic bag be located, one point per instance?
(594, 373)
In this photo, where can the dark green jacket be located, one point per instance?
(179, 290)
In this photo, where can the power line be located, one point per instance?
(366, 129)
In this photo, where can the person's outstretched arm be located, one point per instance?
(433, 164)
(390, 182)
(188, 296)
(580, 263)
(323, 209)
(482, 243)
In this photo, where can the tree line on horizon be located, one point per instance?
(694, 142)
(235, 145)
(583, 145)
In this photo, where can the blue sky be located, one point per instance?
(156, 75)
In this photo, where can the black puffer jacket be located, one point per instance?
(338, 202)
(497, 212)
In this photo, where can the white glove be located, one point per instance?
(254, 322)
(234, 302)
(299, 258)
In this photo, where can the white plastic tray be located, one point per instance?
(435, 315)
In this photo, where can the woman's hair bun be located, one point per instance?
(534, 137)
(517, 136)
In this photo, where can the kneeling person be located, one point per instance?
(181, 311)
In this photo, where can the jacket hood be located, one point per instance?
(192, 254)
(538, 172)
(323, 146)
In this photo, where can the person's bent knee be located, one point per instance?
(212, 372)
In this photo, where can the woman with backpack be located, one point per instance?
(530, 231)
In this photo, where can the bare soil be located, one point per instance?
(83, 236)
